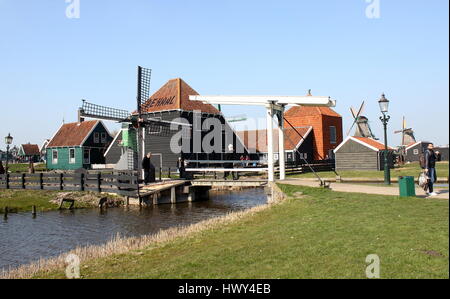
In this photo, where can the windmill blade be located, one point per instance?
(351, 128)
(102, 112)
(143, 93)
(361, 109)
(399, 131)
(353, 111)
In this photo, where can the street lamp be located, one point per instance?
(384, 107)
(8, 141)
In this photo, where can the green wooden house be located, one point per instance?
(78, 145)
(29, 152)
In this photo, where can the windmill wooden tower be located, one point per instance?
(134, 124)
(362, 124)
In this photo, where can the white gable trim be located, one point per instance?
(413, 145)
(51, 139)
(112, 143)
(356, 140)
(92, 130)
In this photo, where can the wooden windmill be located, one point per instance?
(407, 134)
(362, 124)
(134, 124)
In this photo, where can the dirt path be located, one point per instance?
(360, 188)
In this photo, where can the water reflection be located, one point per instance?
(24, 239)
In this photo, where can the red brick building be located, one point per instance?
(327, 127)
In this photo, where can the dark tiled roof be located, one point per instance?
(257, 139)
(72, 134)
(175, 95)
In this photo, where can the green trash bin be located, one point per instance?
(407, 187)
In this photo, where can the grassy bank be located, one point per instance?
(316, 233)
(23, 167)
(23, 200)
(412, 169)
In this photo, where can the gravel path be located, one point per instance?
(361, 188)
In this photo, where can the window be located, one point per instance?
(155, 128)
(416, 151)
(55, 156)
(103, 136)
(71, 156)
(303, 156)
(333, 138)
(96, 137)
(87, 156)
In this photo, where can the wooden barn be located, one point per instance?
(29, 152)
(326, 128)
(169, 103)
(298, 144)
(361, 153)
(78, 145)
(413, 151)
(443, 151)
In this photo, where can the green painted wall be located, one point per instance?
(63, 159)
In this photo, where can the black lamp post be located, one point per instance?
(8, 141)
(384, 107)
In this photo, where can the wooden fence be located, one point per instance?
(123, 183)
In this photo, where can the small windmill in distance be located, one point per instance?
(407, 134)
(362, 124)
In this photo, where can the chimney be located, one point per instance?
(80, 118)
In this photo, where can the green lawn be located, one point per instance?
(412, 169)
(23, 200)
(317, 233)
(23, 167)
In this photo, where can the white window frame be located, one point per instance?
(54, 161)
(416, 151)
(72, 160)
(160, 127)
(88, 161)
(96, 137)
(333, 141)
(103, 137)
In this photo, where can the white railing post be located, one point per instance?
(281, 154)
(270, 151)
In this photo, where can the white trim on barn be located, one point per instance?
(112, 143)
(356, 140)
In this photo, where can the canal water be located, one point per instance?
(24, 239)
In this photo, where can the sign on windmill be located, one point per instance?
(362, 124)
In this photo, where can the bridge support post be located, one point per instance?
(270, 152)
(191, 196)
(281, 154)
(173, 195)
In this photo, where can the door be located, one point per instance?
(86, 156)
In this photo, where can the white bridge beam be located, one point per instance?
(264, 100)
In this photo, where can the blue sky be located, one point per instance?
(49, 62)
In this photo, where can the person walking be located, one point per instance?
(181, 168)
(149, 169)
(430, 168)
